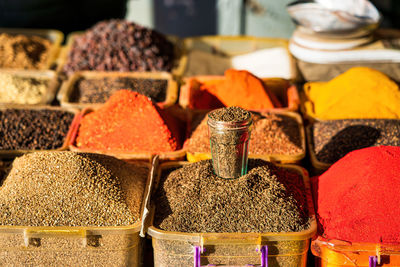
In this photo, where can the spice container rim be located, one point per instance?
(292, 93)
(18, 152)
(124, 155)
(179, 50)
(216, 238)
(83, 231)
(55, 36)
(278, 158)
(52, 88)
(68, 86)
(275, 42)
(229, 125)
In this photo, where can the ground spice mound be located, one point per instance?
(119, 45)
(267, 199)
(230, 114)
(71, 189)
(359, 93)
(99, 90)
(271, 134)
(130, 122)
(237, 88)
(333, 139)
(22, 90)
(358, 197)
(23, 52)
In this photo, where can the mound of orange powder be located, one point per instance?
(130, 122)
(237, 88)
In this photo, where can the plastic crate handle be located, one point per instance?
(264, 257)
(373, 260)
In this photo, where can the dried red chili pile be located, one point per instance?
(358, 198)
(128, 121)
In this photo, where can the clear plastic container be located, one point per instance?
(229, 143)
(55, 36)
(334, 253)
(184, 249)
(72, 246)
(68, 87)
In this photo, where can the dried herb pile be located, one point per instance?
(99, 90)
(71, 189)
(267, 199)
(119, 45)
(333, 139)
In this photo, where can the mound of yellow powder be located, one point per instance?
(358, 93)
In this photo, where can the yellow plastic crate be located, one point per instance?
(73, 246)
(231, 248)
(334, 253)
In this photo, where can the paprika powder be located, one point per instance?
(129, 122)
(358, 198)
(237, 88)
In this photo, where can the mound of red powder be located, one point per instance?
(358, 198)
(130, 122)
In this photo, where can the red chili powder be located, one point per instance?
(358, 198)
(237, 88)
(128, 121)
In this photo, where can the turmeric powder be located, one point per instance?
(360, 92)
(237, 88)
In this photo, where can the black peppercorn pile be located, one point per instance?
(267, 199)
(33, 129)
(99, 90)
(120, 46)
(333, 139)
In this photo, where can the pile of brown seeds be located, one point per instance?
(23, 52)
(230, 114)
(31, 129)
(267, 199)
(333, 139)
(119, 45)
(271, 134)
(71, 189)
(22, 90)
(99, 90)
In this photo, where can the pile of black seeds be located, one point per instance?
(30, 129)
(72, 189)
(99, 90)
(268, 199)
(230, 114)
(333, 139)
(33, 129)
(272, 134)
(119, 45)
